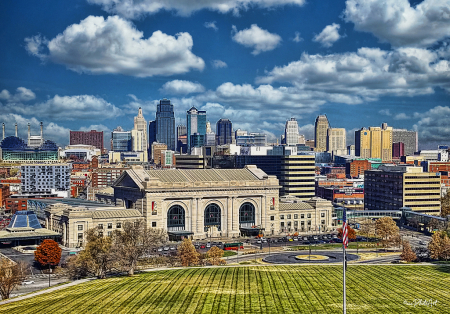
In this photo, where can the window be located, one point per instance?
(295, 216)
(302, 216)
(119, 225)
(154, 224)
(100, 234)
(109, 233)
(289, 216)
(175, 218)
(309, 215)
(272, 217)
(80, 227)
(247, 214)
(322, 215)
(109, 225)
(281, 216)
(212, 216)
(80, 236)
(322, 222)
(100, 226)
(282, 224)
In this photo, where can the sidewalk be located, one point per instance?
(33, 294)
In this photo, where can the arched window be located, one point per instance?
(175, 218)
(247, 215)
(212, 216)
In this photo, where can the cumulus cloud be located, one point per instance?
(217, 64)
(182, 87)
(22, 94)
(328, 36)
(211, 25)
(401, 116)
(135, 9)
(433, 125)
(400, 24)
(97, 127)
(297, 37)
(365, 75)
(114, 46)
(385, 112)
(258, 39)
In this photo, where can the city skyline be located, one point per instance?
(255, 63)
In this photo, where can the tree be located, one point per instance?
(367, 228)
(96, 255)
(407, 254)
(434, 224)
(351, 233)
(48, 253)
(134, 241)
(388, 231)
(445, 205)
(11, 275)
(188, 254)
(215, 256)
(439, 246)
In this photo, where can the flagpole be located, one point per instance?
(344, 262)
(344, 292)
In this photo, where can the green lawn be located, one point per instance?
(251, 289)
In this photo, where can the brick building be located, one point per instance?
(356, 168)
(93, 137)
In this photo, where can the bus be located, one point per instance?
(233, 246)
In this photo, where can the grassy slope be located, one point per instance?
(268, 289)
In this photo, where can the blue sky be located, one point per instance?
(89, 64)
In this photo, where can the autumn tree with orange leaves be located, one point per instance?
(351, 233)
(48, 253)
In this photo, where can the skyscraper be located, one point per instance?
(291, 132)
(92, 137)
(224, 130)
(140, 125)
(336, 141)
(320, 133)
(196, 123)
(181, 138)
(408, 138)
(165, 124)
(121, 140)
(374, 142)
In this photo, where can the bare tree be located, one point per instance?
(11, 275)
(134, 241)
(367, 228)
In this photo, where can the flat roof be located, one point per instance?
(72, 202)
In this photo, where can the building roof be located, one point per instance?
(117, 213)
(295, 206)
(72, 202)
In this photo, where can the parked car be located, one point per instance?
(295, 239)
(208, 245)
(27, 282)
(166, 248)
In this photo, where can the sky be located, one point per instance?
(90, 64)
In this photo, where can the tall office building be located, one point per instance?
(224, 130)
(298, 176)
(320, 133)
(151, 134)
(93, 138)
(374, 142)
(121, 141)
(291, 132)
(391, 187)
(141, 125)
(181, 138)
(408, 138)
(165, 124)
(336, 141)
(196, 123)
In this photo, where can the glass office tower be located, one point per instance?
(165, 124)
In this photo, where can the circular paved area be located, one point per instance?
(290, 257)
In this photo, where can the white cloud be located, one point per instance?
(115, 46)
(401, 116)
(136, 9)
(328, 36)
(257, 38)
(96, 127)
(182, 87)
(22, 94)
(211, 25)
(385, 112)
(397, 22)
(365, 75)
(217, 64)
(297, 37)
(433, 125)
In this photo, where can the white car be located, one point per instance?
(27, 282)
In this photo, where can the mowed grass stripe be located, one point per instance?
(265, 289)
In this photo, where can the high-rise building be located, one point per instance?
(291, 132)
(140, 125)
(392, 187)
(93, 138)
(224, 130)
(320, 133)
(196, 123)
(298, 176)
(181, 138)
(121, 141)
(45, 179)
(408, 138)
(165, 124)
(374, 142)
(336, 141)
(398, 150)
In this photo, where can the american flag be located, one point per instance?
(344, 229)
